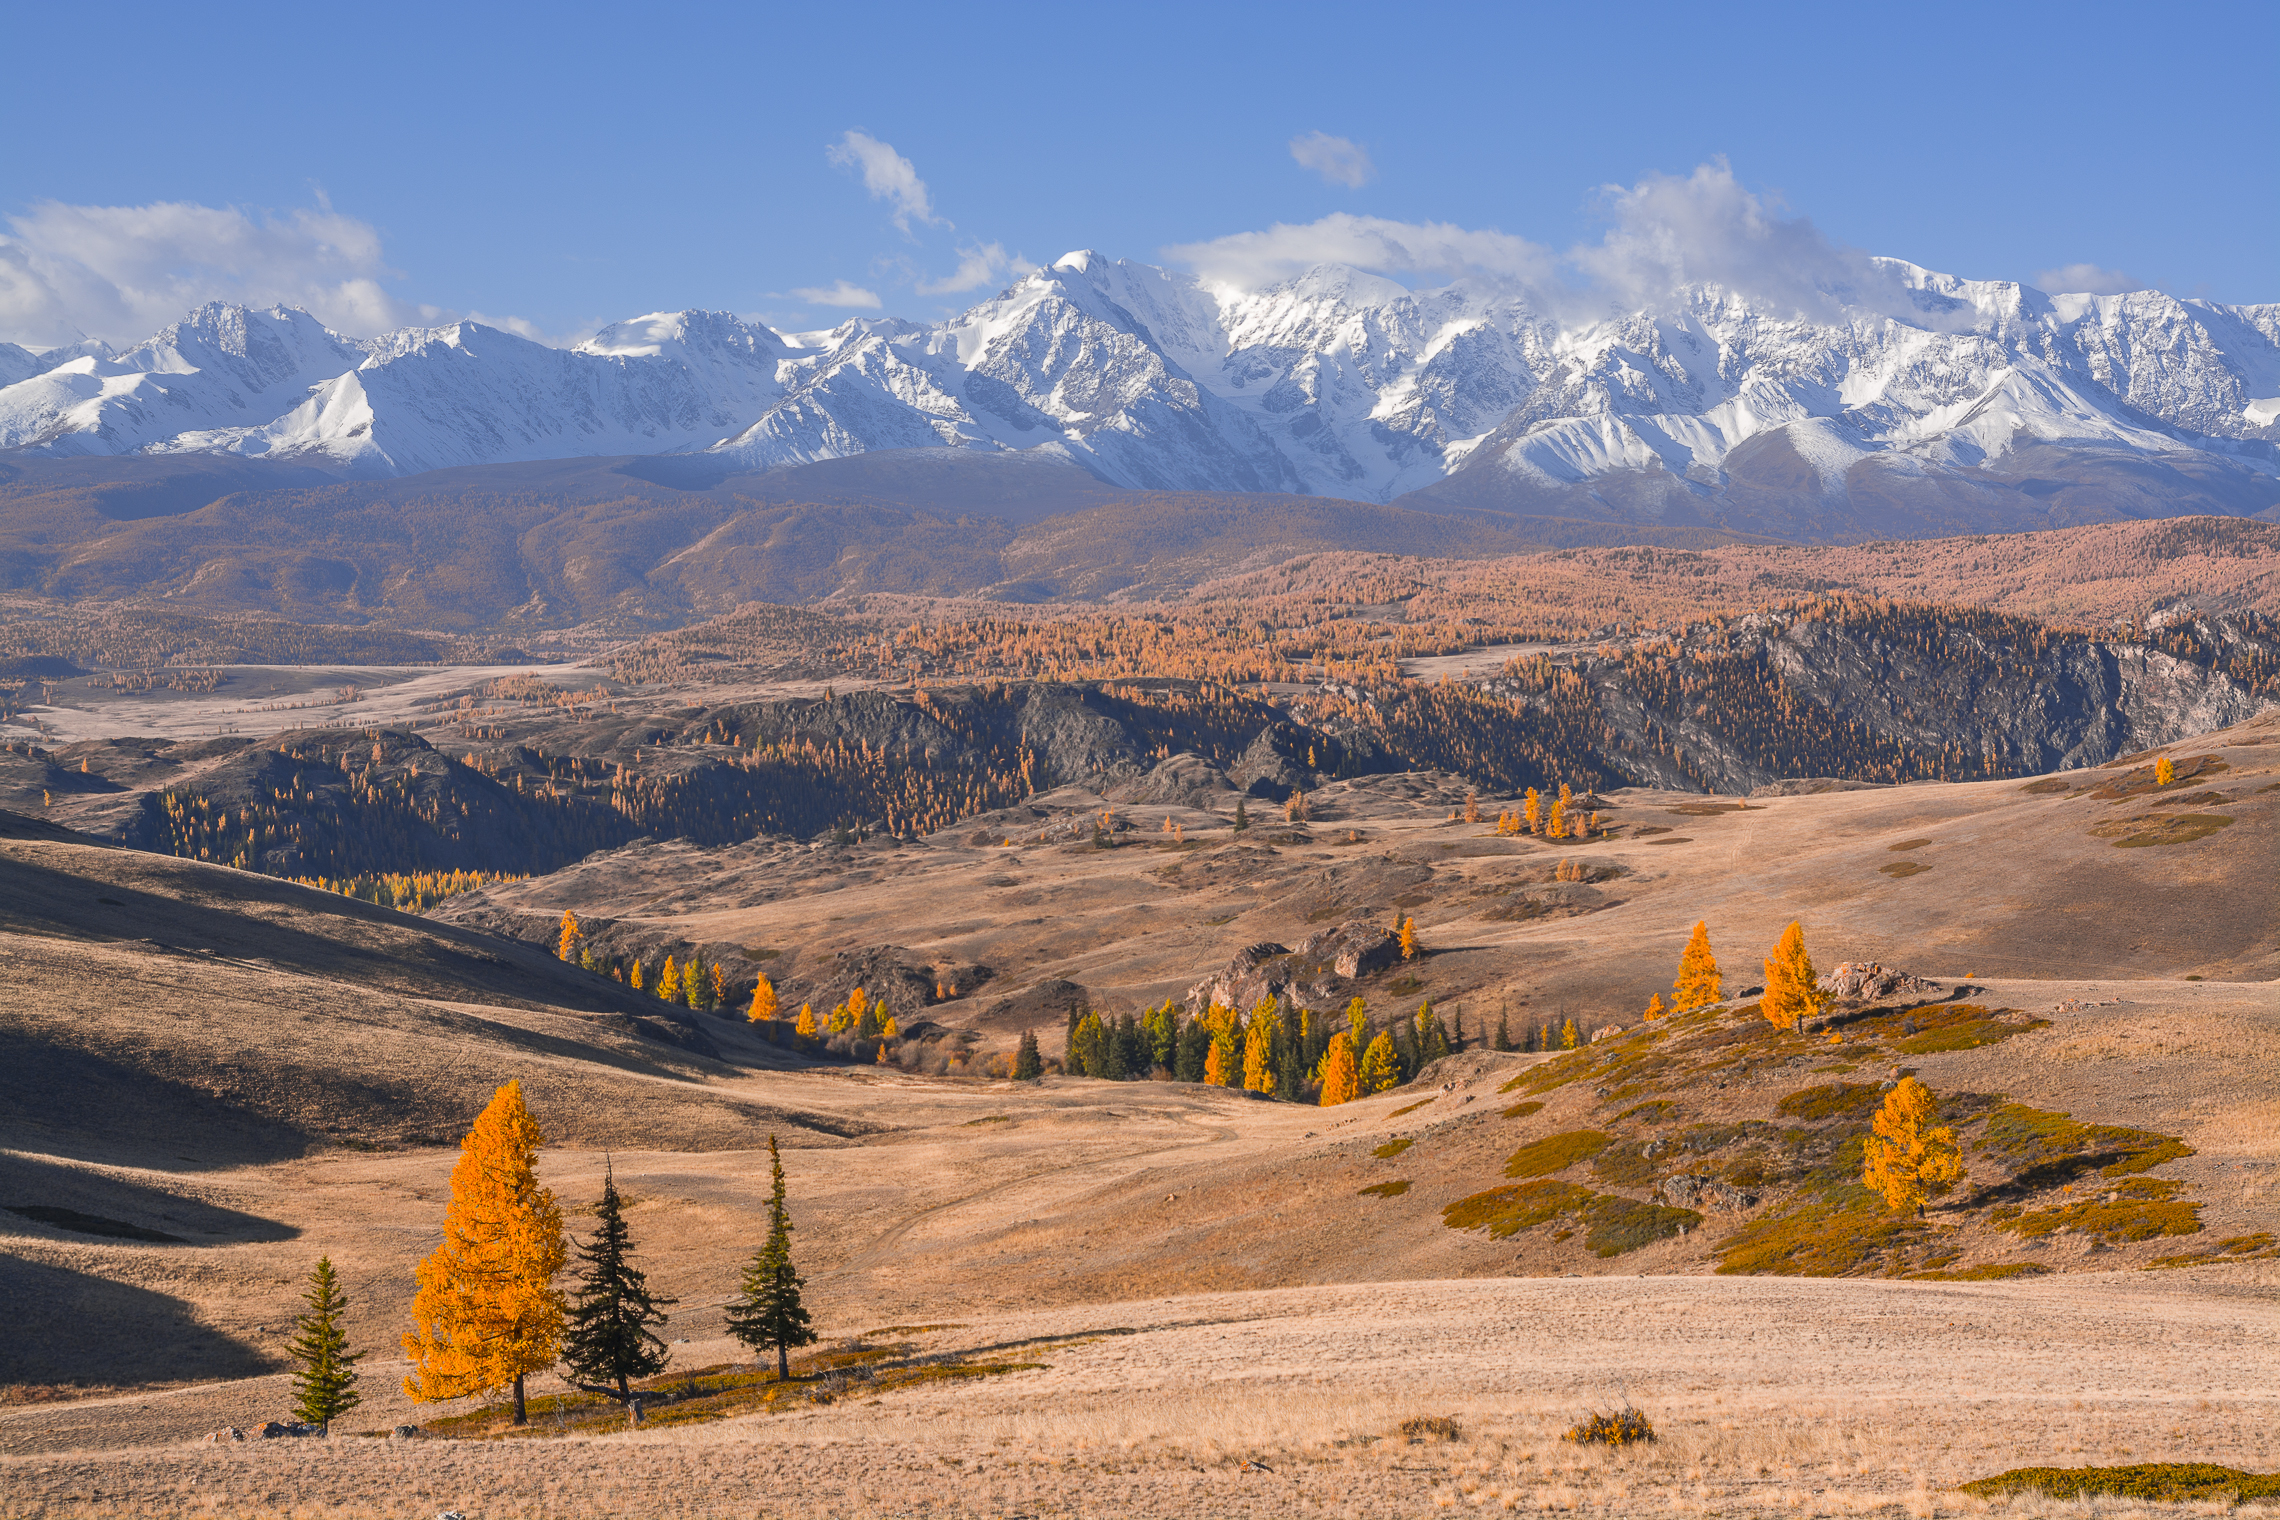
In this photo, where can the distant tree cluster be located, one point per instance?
(1277, 1050)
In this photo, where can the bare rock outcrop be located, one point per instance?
(1870, 980)
(1317, 974)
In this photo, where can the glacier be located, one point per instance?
(1337, 382)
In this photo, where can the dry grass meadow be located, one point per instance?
(1189, 1307)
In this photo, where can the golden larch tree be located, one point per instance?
(669, 982)
(1381, 1068)
(1258, 1050)
(633, 975)
(1904, 1160)
(2164, 771)
(1654, 1007)
(1341, 1082)
(487, 1312)
(1532, 811)
(763, 1001)
(1555, 827)
(805, 1028)
(1698, 984)
(566, 948)
(1792, 992)
(1569, 1039)
(1218, 1063)
(1409, 939)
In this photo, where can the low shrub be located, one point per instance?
(1385, 1189)
(1991, 1271)
(1430, 1427)
(1838, 1100)
(1621, 1427)
(1393, 1148)
(1523, 1110)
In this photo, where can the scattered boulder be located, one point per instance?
(1606, 1032)
(1703, 1190)
(1356, 948)
(404, 1433)
(226, 1434)
(279, 1428)
(1869, 980)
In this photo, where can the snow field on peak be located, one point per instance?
(1337, 381)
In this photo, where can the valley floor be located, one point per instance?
(1770, 1397)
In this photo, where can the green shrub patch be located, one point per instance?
(1556, 1153)
(1385, 1189)
(1617, 1226)
(2172, 1482)
(1393, 1148)
(2137, 1208)
(1506, 1211)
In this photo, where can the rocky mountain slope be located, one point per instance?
(1917, 402)
(1835, 692)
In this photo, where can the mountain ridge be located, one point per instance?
(1336, 382)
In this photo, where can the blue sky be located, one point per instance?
(558, 167)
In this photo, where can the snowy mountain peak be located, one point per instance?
(1337, 381)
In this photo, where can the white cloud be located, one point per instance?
(1666, 235)
(887, 175)
(984, 264)
(122, 272)
(1670, 233)
(1339, 160)
(1248, 260)
(2086, 280)
(839, 293)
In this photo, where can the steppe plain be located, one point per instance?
(1223, 1325)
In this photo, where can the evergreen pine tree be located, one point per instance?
(1242, 816)
(1087, 1056)
(1503, 1037)
(1457, 1030)
(1193, 1053)
(1028, 1065)
(1113, 1048)
(1069, 1062)
(324, 1386)
(768, 1311)
(609, 1342)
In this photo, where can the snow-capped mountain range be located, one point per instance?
(1338, 383)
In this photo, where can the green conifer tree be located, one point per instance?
(608, 1342)
(1194, 1051)
(768, 1311)
(324, 1383)
(1503, 1036)
(1028, 1065)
